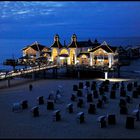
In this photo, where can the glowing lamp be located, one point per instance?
(106, 75)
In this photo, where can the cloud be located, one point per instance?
(54, 24)
(13, 9)
(22, 12)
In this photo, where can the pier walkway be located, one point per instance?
(24, 71)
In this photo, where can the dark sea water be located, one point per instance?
(12, 48)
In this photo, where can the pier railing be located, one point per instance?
(20, 72)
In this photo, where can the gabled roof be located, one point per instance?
(36, 46)
(57, 44)
(105, 47)
(113, 48)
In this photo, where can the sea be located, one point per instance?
(12, 48)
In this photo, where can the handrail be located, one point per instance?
(25, 71)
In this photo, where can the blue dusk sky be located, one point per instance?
(43, 19)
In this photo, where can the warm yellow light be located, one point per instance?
(64, 51)
(116, 79)
(106, 75)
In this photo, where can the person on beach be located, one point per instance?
(30, 87)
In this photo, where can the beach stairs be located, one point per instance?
(56, 115)
(80, 117)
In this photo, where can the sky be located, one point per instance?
(44, 19)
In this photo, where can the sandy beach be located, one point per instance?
(24, 125)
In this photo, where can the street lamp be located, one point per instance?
(106, 75)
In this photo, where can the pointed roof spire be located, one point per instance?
(74, 38)
(73, 43)
(56, 37)
(36, 42)
(104, 43)
(56, 43)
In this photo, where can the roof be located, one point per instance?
(85, 53)
(105, 47)
(41, 58)
(36, 46)
(95, 44)
(113, 48)
(57, 44)
(80, 44)
(46, 53)
(25, 57)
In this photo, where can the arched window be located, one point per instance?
(64, 51)
(83, 56)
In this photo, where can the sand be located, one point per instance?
(24, 125)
